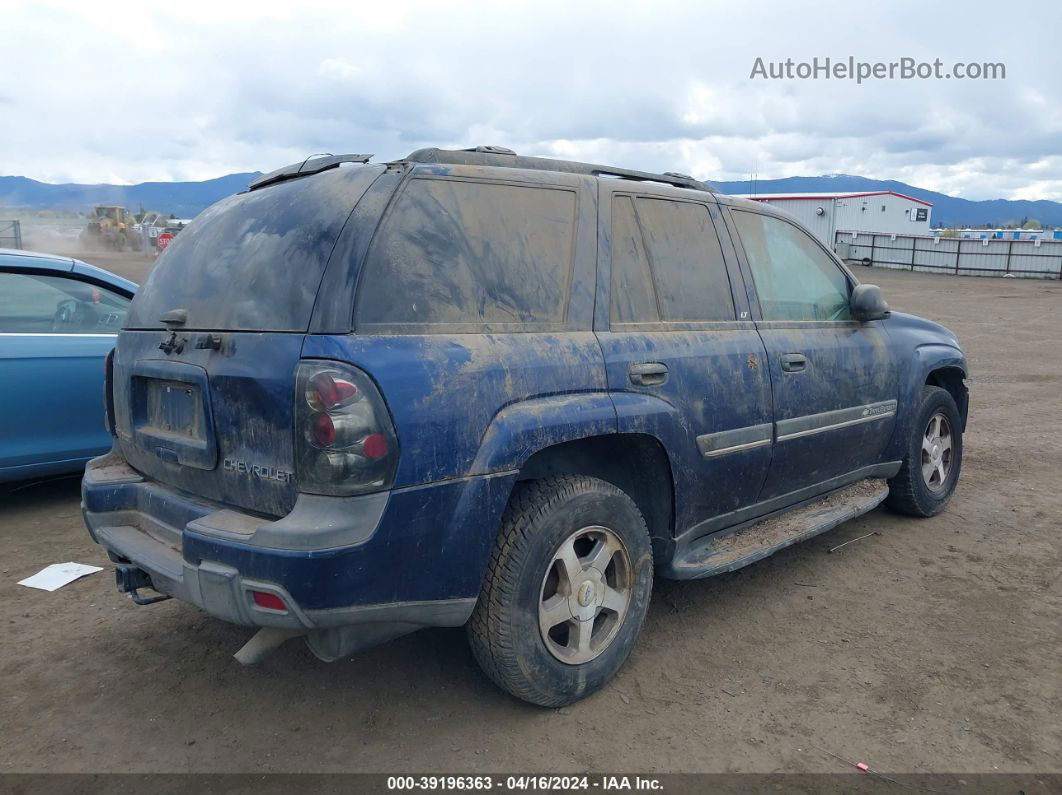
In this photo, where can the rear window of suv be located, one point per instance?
(254, 261)
(470, 255)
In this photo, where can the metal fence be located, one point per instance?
(1034, 259)
(10, 234)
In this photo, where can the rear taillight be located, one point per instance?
(345, 441)
(108, 392)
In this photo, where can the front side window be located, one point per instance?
(39, 304)
(795, 279)
(452, 252)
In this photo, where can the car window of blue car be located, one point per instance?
(37, 304)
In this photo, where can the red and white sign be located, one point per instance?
(164, 239)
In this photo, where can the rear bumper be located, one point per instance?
(223, 592)
(411, 556)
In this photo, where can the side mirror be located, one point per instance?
(867, 303)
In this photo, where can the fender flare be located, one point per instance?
(935, 355)
(523, 428)
(929, 356)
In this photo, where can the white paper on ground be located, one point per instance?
(54, 577)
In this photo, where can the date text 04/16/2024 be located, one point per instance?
(520, 783)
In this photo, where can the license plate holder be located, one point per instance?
(171, 413)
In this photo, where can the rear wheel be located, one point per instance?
(930, 470)
(566, 592)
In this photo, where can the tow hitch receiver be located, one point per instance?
(130, 579)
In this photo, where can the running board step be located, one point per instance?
(719, 554)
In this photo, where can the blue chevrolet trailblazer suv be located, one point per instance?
(475, 388)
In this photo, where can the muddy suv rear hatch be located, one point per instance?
(204, 372)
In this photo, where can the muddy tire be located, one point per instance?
(933, 459)
(566, 590)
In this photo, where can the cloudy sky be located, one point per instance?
(127, 92)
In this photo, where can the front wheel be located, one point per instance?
(566, 591)
(930, 470)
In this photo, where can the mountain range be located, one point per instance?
(185, 199)
(182, 199)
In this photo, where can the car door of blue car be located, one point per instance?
(55, 333)
(683, 359)
(834, 379)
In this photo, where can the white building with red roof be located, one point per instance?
(825, 214)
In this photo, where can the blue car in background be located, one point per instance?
(58, 321)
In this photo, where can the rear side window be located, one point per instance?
(667, 263)
(452, 252)
(633, 293)
(253, 261)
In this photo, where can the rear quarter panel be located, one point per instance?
(445, 391)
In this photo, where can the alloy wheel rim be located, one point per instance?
(938, 452)
(585, 595)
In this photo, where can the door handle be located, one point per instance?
(794, 362)
(648, 374)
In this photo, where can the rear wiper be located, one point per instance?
(175, 317)
(314, 164)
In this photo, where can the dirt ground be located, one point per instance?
(931, 646)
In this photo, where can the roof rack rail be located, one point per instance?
(500, 156)
(314, 164)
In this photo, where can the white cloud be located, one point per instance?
(194, 90)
